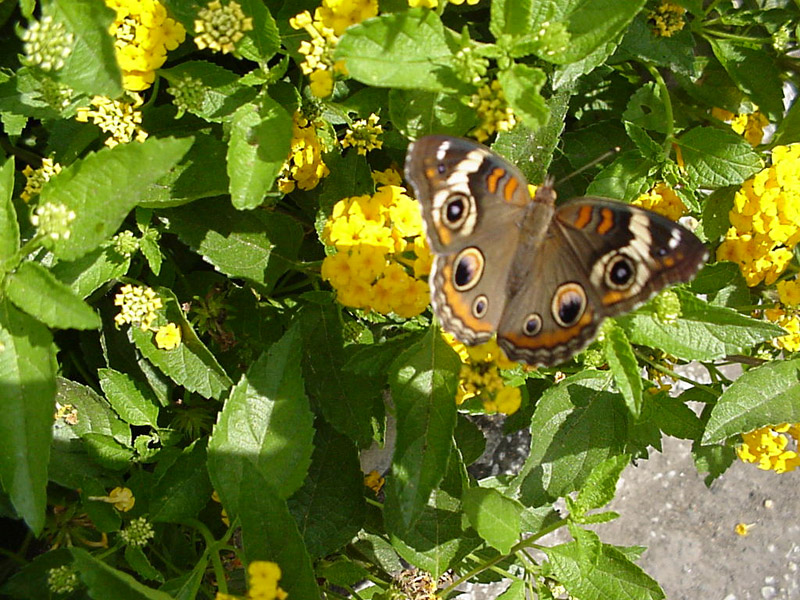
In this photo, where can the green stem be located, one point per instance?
(668, 115)
(673, 374)
(213, 547)
(706, 32)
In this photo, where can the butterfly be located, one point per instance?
(540, 276)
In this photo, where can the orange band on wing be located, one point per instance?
(460, 309)
(615, 296)
(607, 223)
(493, 178)
(511, 186)
(584, 217)
(550, 340)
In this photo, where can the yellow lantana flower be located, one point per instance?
(663, 200)
(168, 337)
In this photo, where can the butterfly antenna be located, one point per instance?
(589, 165)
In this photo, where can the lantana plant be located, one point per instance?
(214, 293)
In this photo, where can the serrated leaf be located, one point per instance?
(91, 66)
(495, 517)
(191, 364)
(755, 73)
(676, 52)
(183, 489)
(95, 414)
(87, 273)
(261, 135)
(35, 290)
(702, 331)
(266, 425)
(565, 75)
(416, 113)
(713, 460)
(718, 157)
(128, 399)
(512, 17)
(521, 85)
(601, 484)
(138, 561)
(624, 179)
(646, 145)
(329, 508)
(103, 188)
(624, 367)
(151, 252)
(404, 50)
(258, 246)
(612, 575)
(423, 383)
(9, 227)
(27, 378)
(107, 451)
(577, 424)
(716, 209)
(767, 395)
(105, 581)
(263, 41)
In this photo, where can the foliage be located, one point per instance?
(175, 213)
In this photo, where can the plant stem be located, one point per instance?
(668, 114)
(673, 374)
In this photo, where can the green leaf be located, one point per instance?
(104, 581)
(258, 246)
(702, 331)
(767, 395)
(675, 418)
(577, 424)
(611, 575)
(35, 290)
(716, 209)
(404, 50)
(277, 439)
(521, 85)
(103, 188)
(495, 517)
(789, 129)
(646, 108)
(646, 145)
(92, 66)
(9, 227)
(348, 401)
(95, 414)
(416, 113)
(624, 367)
(129, 399)
(755, 73)
(718, 157)
(713, 460)
(27, 378)
(260, 138)
(108, 452)
(151, 252)
(329, 508)
(191, 364)
(512, 17)
(270, 533)
(601, 484)
(675, 53)
(624, 179)
(263, 41)
(566, 75)
(136, 558)
(183, 489)
(87, 273)
(423, 382)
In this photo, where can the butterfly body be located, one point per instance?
(542, 277)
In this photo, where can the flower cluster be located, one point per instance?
(435, 3)
(480, 376)
(764, 218)
(138, 533)
(790, 321)
(168, 337)
(36, 178)
(142, 34)
(750, 125)
(767, 447)
(188, 94)
(329, 22)
(67, 412)
(493, 110)
(219, 27)
(53, 220)
(667, 19)
(62, 580)
(121, 119)
(139, 305)
(363, 135)
(304, 167)
(264, 576)
(663, 200)
(378, 238)
(47, 44)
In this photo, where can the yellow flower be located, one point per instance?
(390, 176)
(374, 481)
(789, 292)
(340, 14)
(304, 167)
(767, 447)
(423, 3)
(67, 412)
(168, 337)
(139, 305)
(36, 178)
(264, 576)
(121, 497)
(493, 110)
(751, 126)
(663, 200)
(318, 62)
(742, 529)
(121, 119)
(667, 19)
(790, 321)
(143, 33)
(364, 134)
(219, 27)
(321, 83)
